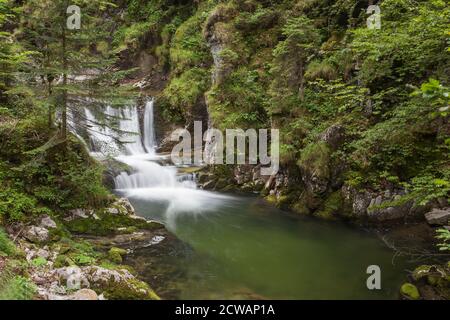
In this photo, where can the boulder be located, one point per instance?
(382, 206)
(115, 254)
(334, 136)
(118, 284)
(84, 294)
(77, 214)
(410, 291)
(73, 277)
(438, 216)
(36, 234)
(121, 206)
(47, 222)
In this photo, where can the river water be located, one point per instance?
(239, 246)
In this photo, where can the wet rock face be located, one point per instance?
(334, 136)
(438, 216)
(380, 207)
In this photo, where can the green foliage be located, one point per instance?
(315, 158)
(436, 95)
(76, 253)
(15, 287)
(239, 102)
(444, 236)
(184, 91)
(6, 245)
(188, 48)
(39, 262)
(38, 178)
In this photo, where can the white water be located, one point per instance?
(149, 180)
(149, 128)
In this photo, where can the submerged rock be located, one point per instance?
(410, 291)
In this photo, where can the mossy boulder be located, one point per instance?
(421, 271)
(314, 165)
(118, 284)
(116, 254)
(107, 224)
(331, 207)
(410, 291)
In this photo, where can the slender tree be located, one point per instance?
(74, 62)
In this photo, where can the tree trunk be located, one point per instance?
(64, 91)
(301, 90)
(50, 109)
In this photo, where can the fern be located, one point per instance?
(14, 287)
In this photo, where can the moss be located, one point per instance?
(115, 254)
(300, 208)
(315, 158)
(221, 184)
(6, 245)
(63, 261)
(108, 224)
(421, 271)
(333, 204)
(271, 198)
(15, 287)
(410, 291)
(132, 289)
(39, 262)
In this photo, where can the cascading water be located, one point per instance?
(148, 180)
(149, 128)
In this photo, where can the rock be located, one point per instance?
(43, 253)
(77, 214)
(334, 136)
(125, 203)
(84, 294)
(156, 240)
(209, 185)
(73, 277)
(380, 206)
(118, 284)
(410, 291)
(438, 216)
(47, 222)
(113, 210)
(36, 234)
(357, 201)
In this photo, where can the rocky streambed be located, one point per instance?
(80, 255)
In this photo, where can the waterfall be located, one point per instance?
(129, 124)
(148, 180)
(101, 138)
(149, 128)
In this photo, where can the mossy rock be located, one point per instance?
(421, 271)
(331, 207)
(410, 291)
(300, 208)
(221, 184)
(132, 289)
(63, 261)
(271, 198)
(116, 254)
(109, 224)
(315, 157)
